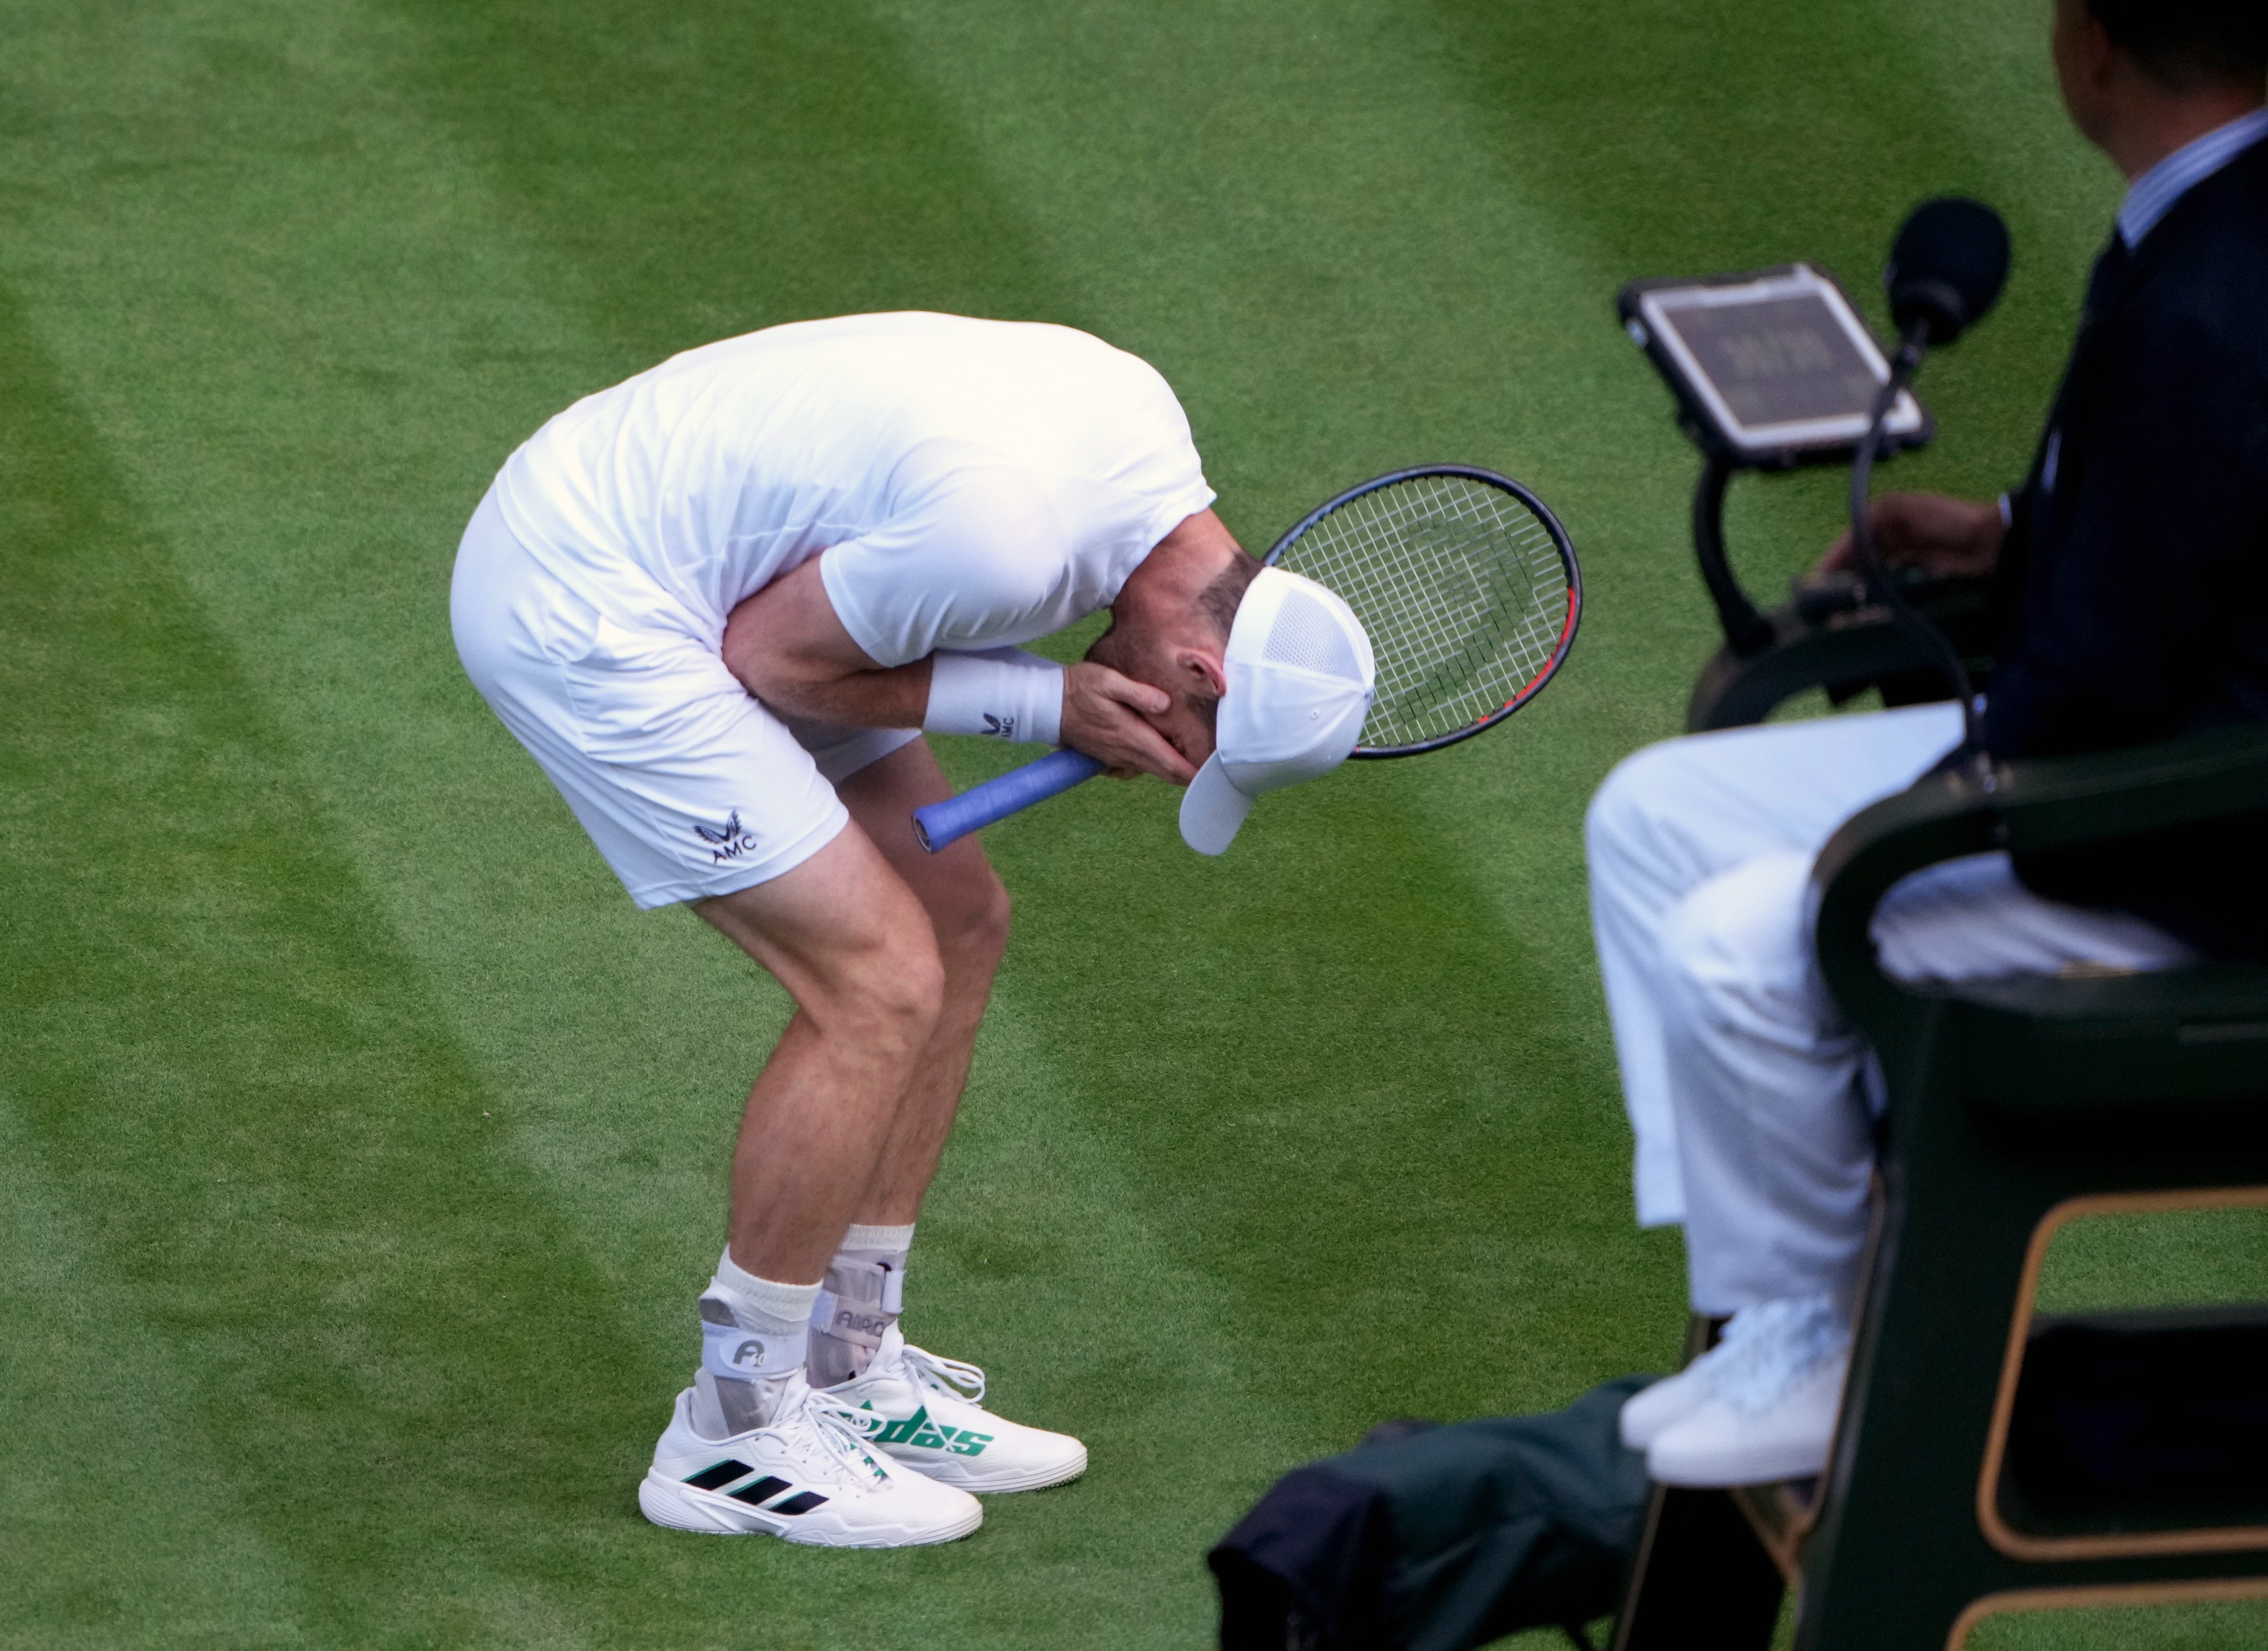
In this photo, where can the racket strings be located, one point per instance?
(1461, 588)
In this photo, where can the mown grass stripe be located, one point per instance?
(238, 1091)
(120, 1528)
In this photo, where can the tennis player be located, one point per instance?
(2130, 570)
(718, 603)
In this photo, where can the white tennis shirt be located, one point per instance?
(972, 483)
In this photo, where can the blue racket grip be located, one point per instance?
(943, 823)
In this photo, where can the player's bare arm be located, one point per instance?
(788, 646)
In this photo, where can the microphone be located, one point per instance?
(1946, 267)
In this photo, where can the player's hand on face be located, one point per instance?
(1106, 715)
(1951, 538)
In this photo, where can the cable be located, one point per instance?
(1932, 642)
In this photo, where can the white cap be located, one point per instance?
(1300, 681)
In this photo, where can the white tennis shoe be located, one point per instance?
(928, 1419)
(1648, 1411)
(809, 1476)
(1758, 1408)
(1724, 1443)
(1758, 1350)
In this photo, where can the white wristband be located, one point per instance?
(1004, 694)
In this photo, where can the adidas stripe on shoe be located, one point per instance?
(809, 1476)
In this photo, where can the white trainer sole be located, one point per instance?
(966, 1475)
(679, 1506)
(1729, 1470)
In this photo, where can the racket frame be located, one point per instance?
(1560, 542)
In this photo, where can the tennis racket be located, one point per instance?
(1466, 583)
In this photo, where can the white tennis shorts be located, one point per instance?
(689, 785)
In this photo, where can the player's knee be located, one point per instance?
(979, 925)
(898, 992)
(969, 916)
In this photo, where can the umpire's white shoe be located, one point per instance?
(810, 1475)
(1720, 1444)
(1753, 1337)
(1770, 1399)
(1648, 1411)
(929, 1419)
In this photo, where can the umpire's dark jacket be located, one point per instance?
(2134, 580)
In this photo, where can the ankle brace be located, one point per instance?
(754, 1338)
(861, 1297)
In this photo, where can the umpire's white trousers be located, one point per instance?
(1742, 1076)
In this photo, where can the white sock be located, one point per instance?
(863, 1295)
(754, 1338)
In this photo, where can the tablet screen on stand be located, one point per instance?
(1775, 368)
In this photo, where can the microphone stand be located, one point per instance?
(1933, 643)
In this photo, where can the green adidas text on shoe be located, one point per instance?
(929, 1420)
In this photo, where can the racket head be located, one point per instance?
(1468, 586)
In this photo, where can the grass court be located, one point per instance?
(361, 1149)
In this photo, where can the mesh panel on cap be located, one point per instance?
(1306, 634)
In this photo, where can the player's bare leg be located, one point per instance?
(854, 948)
(749, 1447)
(927, 1406)
(968, 912)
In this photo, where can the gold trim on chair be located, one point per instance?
(1782, 1516)
(2202, 1591)
(2133, 1544)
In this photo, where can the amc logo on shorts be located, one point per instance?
(729, 842)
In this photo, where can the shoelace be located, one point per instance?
(1768, 1348)
(945, 1375)
(844, 1433)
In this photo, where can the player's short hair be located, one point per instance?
(2185, 44)
(1219, 601)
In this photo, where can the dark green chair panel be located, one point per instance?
(2008, 1099)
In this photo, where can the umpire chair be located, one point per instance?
(1990, 1457)
(1828, 634)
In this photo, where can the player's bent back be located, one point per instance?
(897, 439)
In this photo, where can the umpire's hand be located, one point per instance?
(1950, 538)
